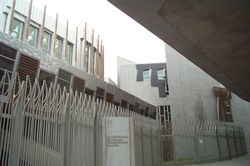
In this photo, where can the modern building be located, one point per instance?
(180, 88)
(213, 34)
(32, 43)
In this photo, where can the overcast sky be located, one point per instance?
(122, 36)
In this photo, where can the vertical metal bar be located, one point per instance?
(66, 131)
(235, 143)
(17, 128)
(151, 141)
(142, 144)
(228, 144)
(218, 141)
(95, 135)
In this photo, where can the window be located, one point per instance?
(46, 76)
(95, 60)
(89, 93)
(161, 74)
(58, 47)
(5, 16)
(16, 29)
(146, 74)
(32, 35)
(100, 93)
(165, 114)
(64, 79)
(46, 41)
(69, 53)
(124, 104)
(81, 53)
(7, 59)
(87, 54)
(109, 97)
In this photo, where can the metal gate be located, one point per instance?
(44, 125)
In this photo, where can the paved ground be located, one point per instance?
(240, 161)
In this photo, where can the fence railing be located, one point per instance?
(200, 141)
(45, 125)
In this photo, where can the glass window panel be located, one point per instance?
(95, 60)
(146, 74)
(46, 41)
(58, 47)
(5, 16)
(161, 74)
(16, 29)
(87, 54)
(69, 52)
(32, 35)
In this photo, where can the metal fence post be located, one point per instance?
(151, 142)
(218, 141)
(18, 117)
(66, 132)
(142, 145)
(196, 146)
(235, 143)
(95, 135)
(228, 144)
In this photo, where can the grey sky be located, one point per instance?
(121, 35)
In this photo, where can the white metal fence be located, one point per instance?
(187, 142)
(43, 125)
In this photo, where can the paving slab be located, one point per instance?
(240, 161)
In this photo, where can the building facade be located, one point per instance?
(186, 93)
(34, 44)
(79, 47)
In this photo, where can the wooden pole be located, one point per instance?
(92, 52)
(27, 22)
(12, 14)
(42, 28)
(66, 40)
(54, 36)
(76, 44)
(84, 45)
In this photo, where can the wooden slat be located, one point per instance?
(78, 84)
(28, 66)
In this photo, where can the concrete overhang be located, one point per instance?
(213, 34)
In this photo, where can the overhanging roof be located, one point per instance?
(213, 34)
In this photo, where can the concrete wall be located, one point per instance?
(187, 83)
(241, 115)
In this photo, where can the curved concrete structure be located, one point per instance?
(214, 35)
